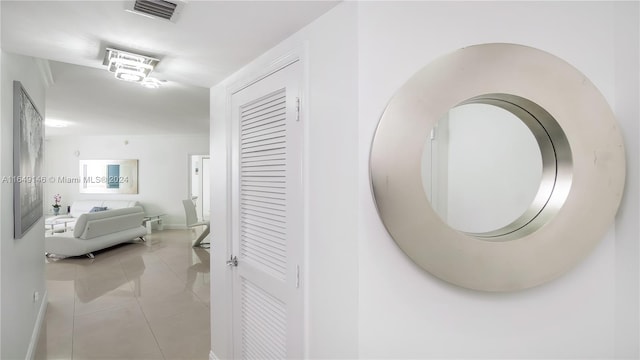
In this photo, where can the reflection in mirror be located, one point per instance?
(481, 168)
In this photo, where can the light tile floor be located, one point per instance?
(134, 301)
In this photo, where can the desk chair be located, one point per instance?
(192, 221)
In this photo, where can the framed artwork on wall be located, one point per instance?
(28, 140)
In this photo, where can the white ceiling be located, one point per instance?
(209, 41)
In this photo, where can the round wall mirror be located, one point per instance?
(514, 184)
(495, 148)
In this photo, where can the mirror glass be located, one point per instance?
(109, 176)
(481, 168)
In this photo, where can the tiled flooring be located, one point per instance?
(135, 301)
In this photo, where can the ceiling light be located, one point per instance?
(129, 66)
(126, 74)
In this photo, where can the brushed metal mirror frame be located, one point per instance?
(583, 167)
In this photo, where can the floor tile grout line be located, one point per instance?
(176, 274)
(84, 268)
(146, 319)
(155, 338)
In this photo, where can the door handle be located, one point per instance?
(233, 261)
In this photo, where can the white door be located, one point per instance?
(267, 213)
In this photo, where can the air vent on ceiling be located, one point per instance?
(158, 9)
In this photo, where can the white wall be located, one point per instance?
(365, 298)
(626, 47)
(163, 169)
(407, 313)
(2, 150)
(21, 260)
(330, 186)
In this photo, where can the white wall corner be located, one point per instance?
(45, 71)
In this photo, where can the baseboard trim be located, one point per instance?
(175, 227)
(212, 356)
(35, 336)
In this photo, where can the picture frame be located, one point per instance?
(28, 158)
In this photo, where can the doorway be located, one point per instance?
(267, 217)
(199, 184)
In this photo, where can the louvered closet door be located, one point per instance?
(267, 213)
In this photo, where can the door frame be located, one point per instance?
(262, 68)
(190, 182)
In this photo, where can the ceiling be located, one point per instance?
(209, 41)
